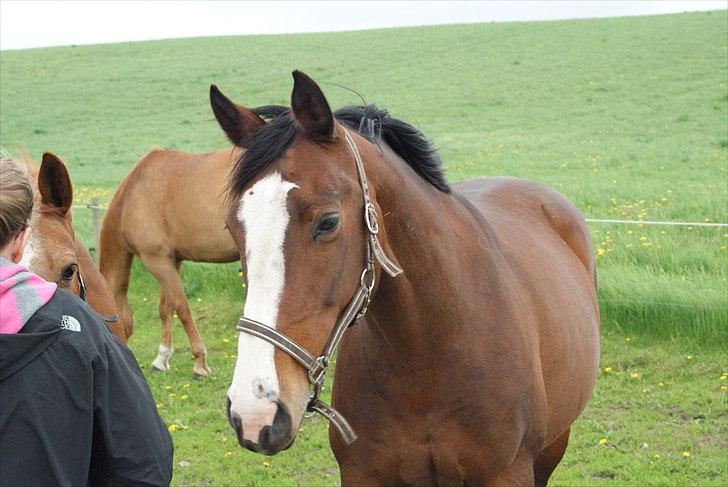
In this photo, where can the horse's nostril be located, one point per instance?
(277, 436)
(234, 418)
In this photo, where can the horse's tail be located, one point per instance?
(115, 259)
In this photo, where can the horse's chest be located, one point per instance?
(429, 453)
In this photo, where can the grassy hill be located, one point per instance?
(628, 117)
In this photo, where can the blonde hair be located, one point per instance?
(16, 199)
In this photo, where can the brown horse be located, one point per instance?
(471, 365)
(53, 250)
(167, 210)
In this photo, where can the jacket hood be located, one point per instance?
(22, 293)
(25, 303)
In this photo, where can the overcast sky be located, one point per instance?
(25, 24)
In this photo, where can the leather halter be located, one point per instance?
(81, 287)
(316, 366)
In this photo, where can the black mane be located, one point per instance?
(270, 141)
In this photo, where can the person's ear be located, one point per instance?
(18, 246)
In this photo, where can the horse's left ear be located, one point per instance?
(54, 183)
(310, 108)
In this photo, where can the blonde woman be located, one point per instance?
(75, 408)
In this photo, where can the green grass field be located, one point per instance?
(627, 117)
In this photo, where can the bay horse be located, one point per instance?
(480, 345)
(54, 252)
(168, 209)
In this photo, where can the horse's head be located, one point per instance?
(297, 218)
(53, 251)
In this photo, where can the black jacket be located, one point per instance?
(75, 408)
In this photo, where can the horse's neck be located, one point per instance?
(439, 242)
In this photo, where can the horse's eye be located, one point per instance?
(68, 272)
(327, 225)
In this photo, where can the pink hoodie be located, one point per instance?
(21, 295)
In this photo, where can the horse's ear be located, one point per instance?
(310, 108)
(237, 122)
(54, 183)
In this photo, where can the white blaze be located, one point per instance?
(264, 216)
(30, 251)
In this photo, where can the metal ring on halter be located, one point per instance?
(369, 271)
(370, 217)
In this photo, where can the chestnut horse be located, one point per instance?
(168, 209)
(471, 364)
(53, 250)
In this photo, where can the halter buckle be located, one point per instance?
(370, 217)
(317, 372)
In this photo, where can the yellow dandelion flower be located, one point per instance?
(172, 394)
(686, 454)
(266, 464)
(689, 357)
(608, 369)
(628, 339)
(172, 428)
(635, 376)
(630, 232)
(240, 273)
(224, 439)
(199, 300)
(724, 388)
(185, 386)
(603, 441)
(225, 340)
(661, 384)
(600, 251)
(184, 397)
(657, 456)
(168, 387)
(228, 454)
(145, 299)
(724, 377)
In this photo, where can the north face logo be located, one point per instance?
(70, 323)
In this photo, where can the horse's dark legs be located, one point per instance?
(546, 462)
(518, 473)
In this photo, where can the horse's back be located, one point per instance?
(547, 247)
(173, 201)
(538, 205)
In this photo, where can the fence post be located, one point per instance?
(96, 219)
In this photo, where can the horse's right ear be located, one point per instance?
(237, 122)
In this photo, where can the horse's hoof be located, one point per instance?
(201, 373)
(156, 369)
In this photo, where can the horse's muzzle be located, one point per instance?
(272, 438)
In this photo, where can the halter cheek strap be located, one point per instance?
(357, 307)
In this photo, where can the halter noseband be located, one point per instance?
(316, 366)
